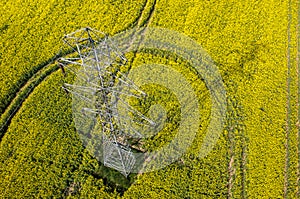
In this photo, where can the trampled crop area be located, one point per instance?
(254, 45)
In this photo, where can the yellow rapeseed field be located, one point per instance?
(253, 43)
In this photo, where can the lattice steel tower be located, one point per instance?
(96, 61)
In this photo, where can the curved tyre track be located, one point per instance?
(23, 93)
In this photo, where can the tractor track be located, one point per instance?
(31, 73)
(142, 23)
(237, 149)
(24, 92)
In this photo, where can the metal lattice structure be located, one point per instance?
(96, 61)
